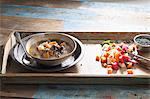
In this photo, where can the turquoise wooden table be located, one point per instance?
(77, 91)
(75, 15)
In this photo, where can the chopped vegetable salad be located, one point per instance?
(115, 57)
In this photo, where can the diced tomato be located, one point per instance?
(109, 66)
(124, 47)
(117, 55)
(97, 58)
(109, 70)
(130, 71)
(106, 54)
(115, 66)
(119, 49)
(113, 60)
(122, 52)
(108, 49)
(130, 65)
(103, 59)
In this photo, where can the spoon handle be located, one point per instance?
(18, 38)
(141, 58)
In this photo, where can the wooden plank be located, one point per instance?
(105, 35)
(9, 91)
(75, 80)
(45, 3)
(4, 36)
(71, 3)
(92, 92)
(32, 24)
(7, 95)
(78, 91)
(91, 16)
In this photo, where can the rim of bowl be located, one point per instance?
(141, 35)
(48, 59)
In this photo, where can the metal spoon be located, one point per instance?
(18, 38)
(29, 59)
(142, 60)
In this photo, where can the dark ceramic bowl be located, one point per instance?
(143, 42)
(35, 38)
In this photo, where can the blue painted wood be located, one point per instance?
(46, 13)
(64, 13)
(73, 18)
(85, 17)
(91, 92)
(82, 17)
(120, 6)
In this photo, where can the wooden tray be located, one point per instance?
(86, 71)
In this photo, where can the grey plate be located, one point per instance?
(19, 56)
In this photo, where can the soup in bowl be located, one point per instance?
(50, 49)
